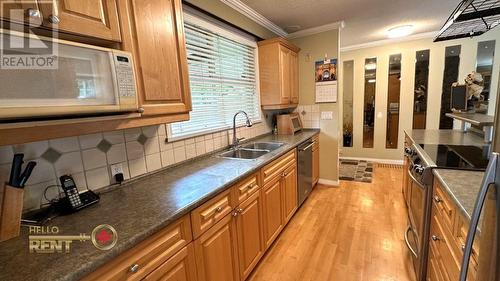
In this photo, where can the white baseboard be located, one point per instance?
(375, 160)
(328, 182)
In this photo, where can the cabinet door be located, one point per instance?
(289, 186)
(272, 211)
(180, 267)
(21, 11)
(160, 56)
(285, 75)
(216, 253)
(294, 78)
(249, 232)
(94, 18)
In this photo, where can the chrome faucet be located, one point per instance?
(236, 140)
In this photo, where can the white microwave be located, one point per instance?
(79, 80)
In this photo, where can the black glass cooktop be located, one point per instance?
(464, 157)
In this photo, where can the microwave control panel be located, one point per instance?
(124, 75)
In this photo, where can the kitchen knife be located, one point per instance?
(15, 171)
(27, 173)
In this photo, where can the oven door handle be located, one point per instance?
(415, 180)
(408, 242)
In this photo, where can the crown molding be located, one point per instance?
(417, 36)
(255, 16)
(316, 30)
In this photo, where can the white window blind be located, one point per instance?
(222, 78)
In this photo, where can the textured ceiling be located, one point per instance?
(366, 20)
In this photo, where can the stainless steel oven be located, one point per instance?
(419, 178)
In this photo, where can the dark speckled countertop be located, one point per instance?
(136, 210)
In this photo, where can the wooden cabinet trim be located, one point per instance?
(289, 194)
(148, 254)
(246, 188)
(275, 168)
(208, 214)
(272, 210)
(184, 261)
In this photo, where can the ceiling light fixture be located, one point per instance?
(400, 31)
(371, 80)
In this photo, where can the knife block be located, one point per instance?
(12, 208)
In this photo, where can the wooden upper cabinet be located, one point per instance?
(93, 18)
(278, 71)
(156, 38)
(21, 11)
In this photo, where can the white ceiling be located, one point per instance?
(365, 20)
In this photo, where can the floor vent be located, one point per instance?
(390, 166)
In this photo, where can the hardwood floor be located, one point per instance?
(351, 232)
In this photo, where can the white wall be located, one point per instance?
(436, 70)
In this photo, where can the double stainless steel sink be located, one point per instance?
(252, 150)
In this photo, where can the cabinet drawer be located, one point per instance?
(275, 168)
(148, 255)
(442, 240)
(180, 267)
(445, 209)
(208, 214)
(245, 188)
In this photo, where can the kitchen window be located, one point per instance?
(222, 76)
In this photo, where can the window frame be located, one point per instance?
(220, 30)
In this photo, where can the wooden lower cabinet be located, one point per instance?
(447, 236)
(180, 267)
(249, 233)
(216, 252)
(289, 188)
(273, 220)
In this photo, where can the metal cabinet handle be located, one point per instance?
(435, 238)
(235, 214)
(54, 19)
(408, 242)
(415, 180)
(140, 110)
(462, 247)
(437, 199)
(239, 210)
(33, 13)
(218, 209)
(250, 186)
(134, 268)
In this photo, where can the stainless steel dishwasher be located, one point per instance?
(304, 164)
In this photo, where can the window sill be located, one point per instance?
(204, 133)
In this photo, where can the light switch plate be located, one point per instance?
(326, 115)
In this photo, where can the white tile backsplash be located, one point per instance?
(90, 167)
(93, 158)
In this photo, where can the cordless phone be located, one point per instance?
(71, 191)
(74, 200)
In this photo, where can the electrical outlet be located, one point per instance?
(116, 169)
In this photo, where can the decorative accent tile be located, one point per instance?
(93, 158)
(104, 146)
(90, 141)
(65, 144)
(51, 155)
(137, 167)
(153, 162)
(142, 139)
(117, 153)
(97, 178)
(134, 150)
(6, 154)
